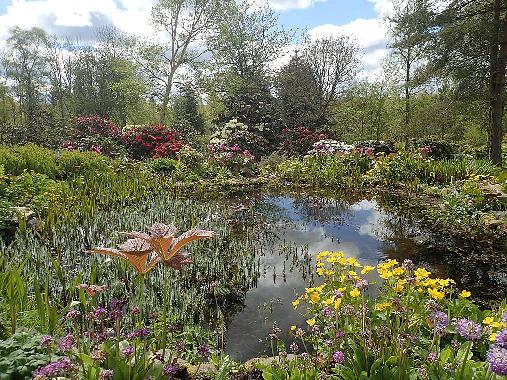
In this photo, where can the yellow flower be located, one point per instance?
(492, 337)
(314, 297)
(367, 269)
(293, 328)
(488, 320)
(465, 294)
(329, 301)
(398, 271)
(385, 274)
(382, 306)
(421, 273)
(337, 303)
(400, 285)
(296, 303)
(436, 294)
(311, 322)
(355, 292)
(496, 325)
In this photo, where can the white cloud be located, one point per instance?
(371, 36)
(383, 7)
(77, 18)
(283, 5)
(368, 32)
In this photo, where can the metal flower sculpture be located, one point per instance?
(145, 250)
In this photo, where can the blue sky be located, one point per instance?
(337, 12)
(361, 19)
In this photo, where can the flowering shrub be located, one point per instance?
(330, 147)
(300, 140)
(232, 157)
(250, 139)
(377, 146)
(152, 141)
(416, 327)
(95, 134)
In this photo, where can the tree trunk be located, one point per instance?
(407, 96)
(498, 62)
(167, 96)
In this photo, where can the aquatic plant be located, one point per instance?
(415, 327)
(160, 240)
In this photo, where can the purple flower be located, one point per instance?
(127, 351)
(115, 314)
(328, 312)
(99, 313)
(136, 310)
(66, 343)
(338, 357)
(439, 320)
(46, 341)
(180, 346)
(501, 339)
(362, 285)
(339, 334)
(106, 374)
(468, 329)
(432, 357)
(73, 314)
(316, 330)
(170, 370)
(294, 347)
(203, 350)
(504, 317)
(140, 333)
(54, 369)
(497, 360)
(328, 342)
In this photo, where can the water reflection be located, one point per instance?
(296, 228)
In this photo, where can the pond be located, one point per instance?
(244, 279)
(301, 226)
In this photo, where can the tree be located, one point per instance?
(186, 23)
(409, 42)
(299, 95)
(469, 44)
(247, 41)
(333, 62)
(26, 65)
(185, 116)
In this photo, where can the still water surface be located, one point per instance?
(296, 229)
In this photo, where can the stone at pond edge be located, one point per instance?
(252, 363)
(196, 370)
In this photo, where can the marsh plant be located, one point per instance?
(110, 341)
(417, 327)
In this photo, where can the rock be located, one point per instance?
(29, 217)
(196, 370)
(266, 361)
(23, 213)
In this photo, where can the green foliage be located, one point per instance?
(20, 355)
(75, 163)
(30, 157)
(164, 165)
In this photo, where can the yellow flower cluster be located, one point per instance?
(342, 273)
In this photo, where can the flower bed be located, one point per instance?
(415, 327)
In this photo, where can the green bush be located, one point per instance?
(76, 163)
(23, 189)
(17, 159)
(20, 355)
(164, 165)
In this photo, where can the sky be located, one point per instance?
(362, 19)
